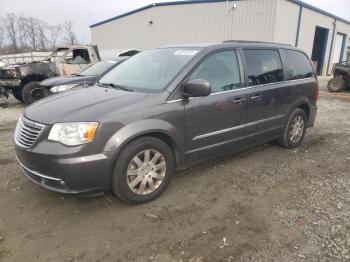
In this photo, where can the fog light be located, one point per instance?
(62, 183)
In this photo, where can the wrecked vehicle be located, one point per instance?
(341, 77)
(23, 79)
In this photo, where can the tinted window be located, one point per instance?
(221, 70)
(298, 65)
(263, 66)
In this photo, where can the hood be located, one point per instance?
(68, 80)
(81, 104)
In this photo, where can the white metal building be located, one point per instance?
(322, 35)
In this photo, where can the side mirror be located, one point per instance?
(196, 88)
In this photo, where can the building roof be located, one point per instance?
(319, 10)
(184, 2)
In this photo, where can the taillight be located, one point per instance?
(317, 91)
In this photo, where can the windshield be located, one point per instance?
(150, 70)
(98, 68)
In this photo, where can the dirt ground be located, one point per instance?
(265, 204)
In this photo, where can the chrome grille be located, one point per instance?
(27, 132)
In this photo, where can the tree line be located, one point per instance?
(25, 34)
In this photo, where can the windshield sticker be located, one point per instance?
(185, 52)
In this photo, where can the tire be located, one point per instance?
(336, 84)
(288, 140)
(33, 91)
(130, 176)
(17, 93)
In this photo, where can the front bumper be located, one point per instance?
(10, 83)
(69, 175)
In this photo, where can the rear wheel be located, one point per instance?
(33, 91)
(336, 84)
(143, 170)
(295, 130)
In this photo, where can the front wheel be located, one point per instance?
(33, 91)
(295, 130)
(143, 170)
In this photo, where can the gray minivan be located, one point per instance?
(164, 110)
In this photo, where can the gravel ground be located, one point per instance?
(265, 204)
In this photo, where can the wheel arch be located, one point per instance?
(306, 108)
(302, 103)
(154, 128)
(31, 78)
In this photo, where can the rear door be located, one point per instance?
(214, 123)
(268, 96)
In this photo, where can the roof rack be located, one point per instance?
(253, 42)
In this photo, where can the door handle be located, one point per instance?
(256, 97)
(238, 100)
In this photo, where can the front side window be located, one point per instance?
(150, 70)
(298, 65)
(221, 70)
(263, 66)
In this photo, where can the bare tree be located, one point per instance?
(32, 32)
(22, 31)
(41, 29)
(2, 35)
(54, 33)
(70, 36)
(10, 25)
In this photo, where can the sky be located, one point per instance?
(86, 12)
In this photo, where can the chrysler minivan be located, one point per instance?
(163, 110)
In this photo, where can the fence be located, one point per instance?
(24, 57)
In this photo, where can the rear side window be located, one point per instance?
(263, 66)
(298, 65)
(221, 70)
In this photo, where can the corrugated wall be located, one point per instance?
(286, 29)
(189, 23)
(286, 22)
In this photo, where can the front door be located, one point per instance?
(268, 97)
(215, 123)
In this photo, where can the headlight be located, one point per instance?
(73, 134)
(61, 88)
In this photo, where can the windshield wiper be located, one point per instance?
(115, 86)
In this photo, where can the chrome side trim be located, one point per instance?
(230, 141)
(36, 172)
(236, 127)
(244, 88)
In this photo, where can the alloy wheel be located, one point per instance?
(146, 172)
(296, 129)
